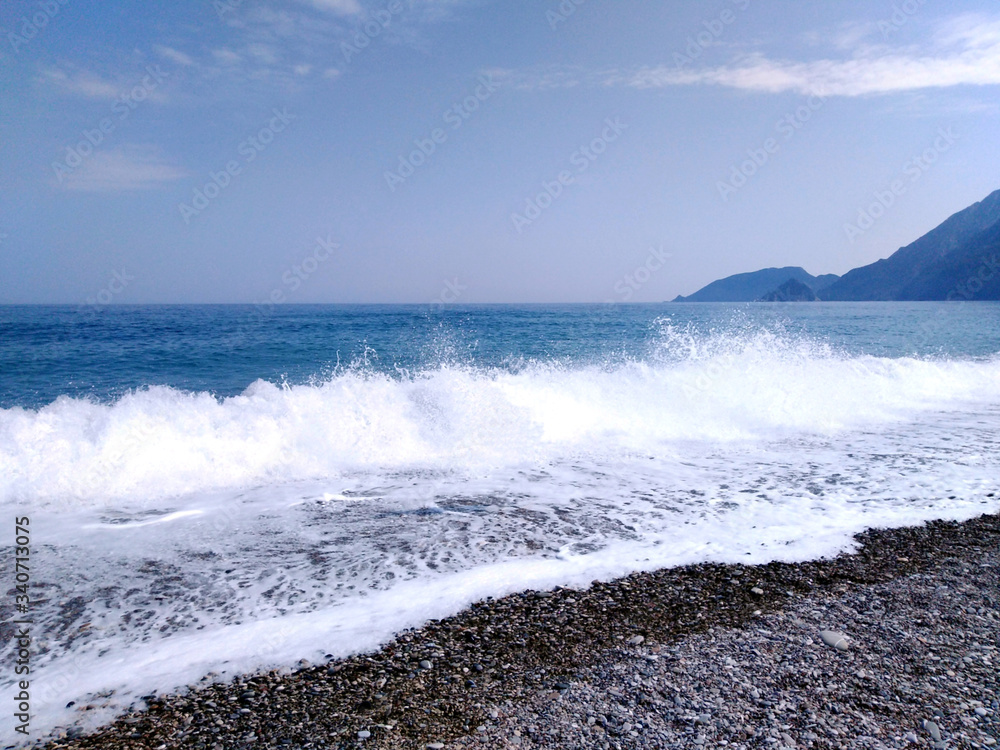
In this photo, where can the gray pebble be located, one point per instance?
(778, 688)
(833, 638)
(932, 730)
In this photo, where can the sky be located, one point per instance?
(467, 151)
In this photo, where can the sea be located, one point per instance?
(215, 490)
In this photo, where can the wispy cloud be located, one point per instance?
(282, 47)
(88, 85)
(437, 10)
(81, 83)
(560, 77)
(173, 55)
(964, 51)
(338, 7)
(268, 47)
(263, 54)
(126, 168)
(225, 56)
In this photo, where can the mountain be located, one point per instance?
(959, 259)
(790, 291)
(749, 287)
(972, 272)
(929, 268)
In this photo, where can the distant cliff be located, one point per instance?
(790, 291)
(957, 260)
(971, 272)
(946, 257)
(750, 287)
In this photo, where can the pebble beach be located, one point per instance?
(893, 645)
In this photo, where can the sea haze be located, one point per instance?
(221, 489)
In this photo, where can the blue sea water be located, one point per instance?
(103, 352)
(227, 488)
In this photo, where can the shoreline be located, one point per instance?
(476, 679)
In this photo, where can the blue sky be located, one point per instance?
(474, 151)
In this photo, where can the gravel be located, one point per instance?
(686, 657)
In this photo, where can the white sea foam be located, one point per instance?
(178, 533)
(158, 443)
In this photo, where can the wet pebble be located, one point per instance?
(933, 730)
(836, 640)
